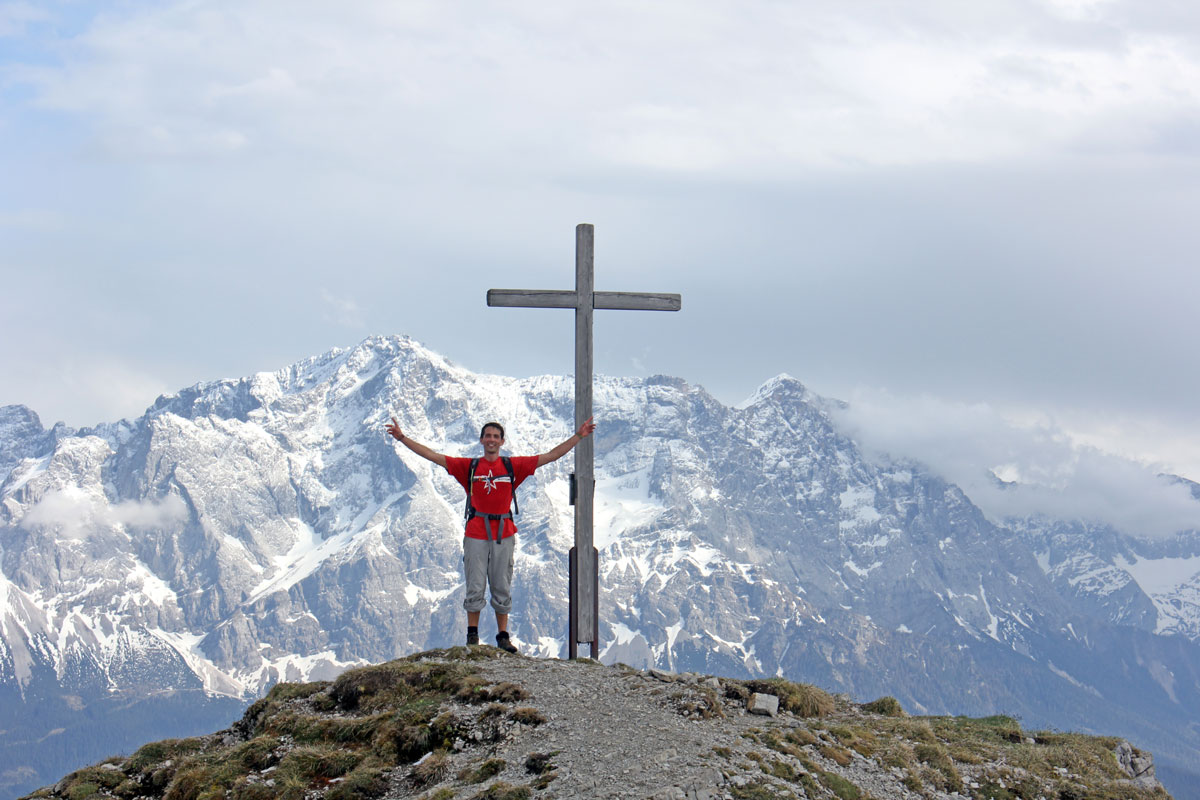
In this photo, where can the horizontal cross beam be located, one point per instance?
(548, 298)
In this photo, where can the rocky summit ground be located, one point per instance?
(479, 724)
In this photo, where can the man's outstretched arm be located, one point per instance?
(415, 446)
(554, 455)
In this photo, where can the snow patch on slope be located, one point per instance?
(622, 503)
(1159, 576)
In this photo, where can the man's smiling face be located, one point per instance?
(491, 441)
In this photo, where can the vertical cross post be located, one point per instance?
(585, 588)
(584, 580)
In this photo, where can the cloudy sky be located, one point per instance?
(971, 213)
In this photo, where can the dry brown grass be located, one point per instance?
(801, 699)
(839, 755)
(884, 706)
(432, 769)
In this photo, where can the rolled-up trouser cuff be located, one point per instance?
(488, 564)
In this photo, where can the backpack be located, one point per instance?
(471, 513)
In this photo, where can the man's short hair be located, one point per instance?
(495, 425)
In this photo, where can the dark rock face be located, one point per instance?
(245, 532)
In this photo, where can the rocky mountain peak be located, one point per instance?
(478, 723)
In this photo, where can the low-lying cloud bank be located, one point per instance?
(74, 511)
(1012, 470)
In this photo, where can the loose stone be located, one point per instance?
(765, 704)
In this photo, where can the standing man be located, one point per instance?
(489, 541)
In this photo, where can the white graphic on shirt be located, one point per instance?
(490, 481)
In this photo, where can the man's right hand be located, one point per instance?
(413, 444)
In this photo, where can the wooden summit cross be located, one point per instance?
(584, 623)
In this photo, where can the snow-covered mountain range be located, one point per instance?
(156, 573)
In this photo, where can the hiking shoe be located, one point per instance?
(504, 643)
(472, 638)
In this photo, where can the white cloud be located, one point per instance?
(1172, 442)
(342, 311)
(15, 17)
(989, 198)
(169, 511)
(82, 388)
(1049, 471)
(113, 386)
(1079, 9)
(710, 87)
(73, 511)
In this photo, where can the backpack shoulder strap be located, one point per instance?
(470, 512)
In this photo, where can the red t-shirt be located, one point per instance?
(492, 492)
